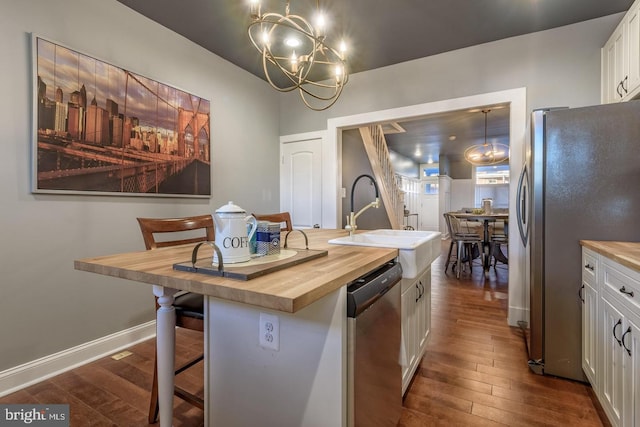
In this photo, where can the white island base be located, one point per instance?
(301, 384)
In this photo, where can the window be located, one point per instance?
(492, 175)
(430, 171)
(492, 182)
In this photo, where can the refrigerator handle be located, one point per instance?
(521, 205)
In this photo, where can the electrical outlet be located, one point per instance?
(269, 330)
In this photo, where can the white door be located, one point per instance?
(429, 204)
(301, 182)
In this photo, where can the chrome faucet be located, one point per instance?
(351, 218)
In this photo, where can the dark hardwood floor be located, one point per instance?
(474, 372)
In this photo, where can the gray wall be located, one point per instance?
(45, 305)
(354, 164)
(460, 169)
(558, 67)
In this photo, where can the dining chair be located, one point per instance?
(464, 240)
(189, 306)
(499, 237)
(283, 218)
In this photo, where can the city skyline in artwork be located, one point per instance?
(92, 115)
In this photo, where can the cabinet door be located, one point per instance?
(408, 334)
(590, 333)
(633, 50)
(423, 311)
(612, 364)
(620, 67)
(631, 348)
(613, 58)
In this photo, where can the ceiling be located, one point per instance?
(449, 133)
(385, 32)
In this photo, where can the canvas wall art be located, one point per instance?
(103, 129)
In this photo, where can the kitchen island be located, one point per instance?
(303, 382)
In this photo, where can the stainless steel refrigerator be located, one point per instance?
(581, 181)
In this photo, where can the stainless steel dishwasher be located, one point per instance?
(374, 386)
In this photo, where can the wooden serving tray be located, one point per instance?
(251, 269)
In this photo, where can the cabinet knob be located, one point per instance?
(589, 267)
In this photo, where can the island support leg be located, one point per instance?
(165, 351)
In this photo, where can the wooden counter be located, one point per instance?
(288, 290)
(625, 253)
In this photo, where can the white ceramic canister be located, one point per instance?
(231, 233)
(487, 205)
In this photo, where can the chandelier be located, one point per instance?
(295, 56)
(489, 153)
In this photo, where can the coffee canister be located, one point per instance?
(487, 205)
(267, 238)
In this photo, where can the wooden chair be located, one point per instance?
(282, 217)
(189, 306)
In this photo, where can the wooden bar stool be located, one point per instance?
(189, 306)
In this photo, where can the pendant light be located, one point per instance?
(489, 153)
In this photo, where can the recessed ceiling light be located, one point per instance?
(452, 138)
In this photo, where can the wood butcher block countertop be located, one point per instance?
(625, 253)
(288, 290)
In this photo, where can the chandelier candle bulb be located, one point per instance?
(254, 9)
(320, 25)
(338, 73)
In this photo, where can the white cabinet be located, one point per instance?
(632, 21)
(423, 310)
(621, 290)
(590, 319)
(408, 314)
(612, 363)
(416, 322)
(611, 336)
(631, 345)
(621, 59)
(613, 65)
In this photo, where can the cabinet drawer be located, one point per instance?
(589, 267)
(622, 282)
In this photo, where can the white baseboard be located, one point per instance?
(517, 314)
(22, 376)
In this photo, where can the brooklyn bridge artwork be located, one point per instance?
(101, 129)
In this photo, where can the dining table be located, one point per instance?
(486, 219)
(303, 296)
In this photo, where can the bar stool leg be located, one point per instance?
(165, 347)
